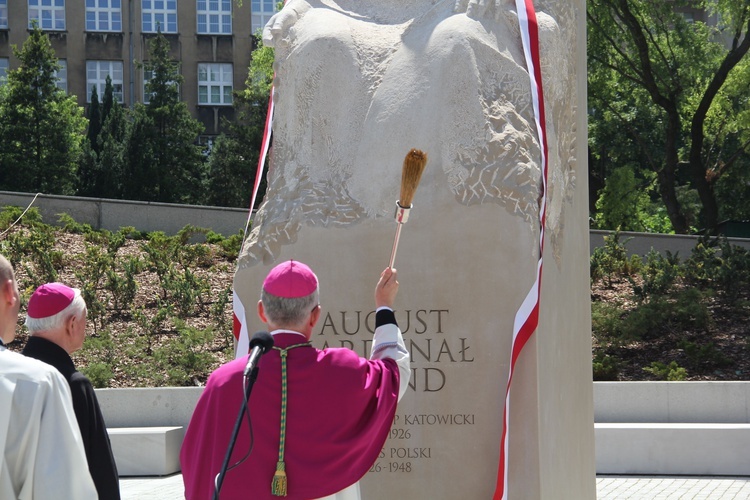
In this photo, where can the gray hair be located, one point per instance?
(76, 308)
(286, 312)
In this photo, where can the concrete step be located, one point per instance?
(146, 451)
(673, 448)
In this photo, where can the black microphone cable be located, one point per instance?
(262, 342)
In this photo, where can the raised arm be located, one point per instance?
(388, 341)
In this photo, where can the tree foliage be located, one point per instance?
(670, 96)
(111, 140)
(235, 153)
(41, 127)
(102, 164)
(624, 204)
(164, 160)
(95, 119)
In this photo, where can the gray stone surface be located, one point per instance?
(146, 451)
(676, 402)
(659, 448)
(148, 406)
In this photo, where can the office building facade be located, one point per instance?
(211, 39)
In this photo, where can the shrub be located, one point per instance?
(703, 357)
(716, 264)
(658, 275)
(10, 215)
(100, 374)
(69, 225)
(679, 311)
(220, 318)
(230, 247)
(101, 346)
(606, 320)
(671, 372)
(184, 359)
(123, 288)
(612, 260)
(605, 367)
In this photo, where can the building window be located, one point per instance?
(159, 15)
(96, 76)
(215, 17)
(3, 14)
(103, 15)
(62, 75)
(3, 70)
(215, 84)
(262, 10)
(49, 14)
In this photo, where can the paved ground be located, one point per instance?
(672, 488)
(607, 488)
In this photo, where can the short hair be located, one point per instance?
(76, 308)
(285, 312)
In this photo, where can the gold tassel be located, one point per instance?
(278, 485)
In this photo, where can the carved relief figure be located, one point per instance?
(360, 82)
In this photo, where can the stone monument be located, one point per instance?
(358, 84)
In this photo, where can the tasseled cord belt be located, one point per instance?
(279, 483)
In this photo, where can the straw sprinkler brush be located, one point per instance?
(414, 164)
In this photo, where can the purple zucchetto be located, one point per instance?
(291, 279)
(50, 299)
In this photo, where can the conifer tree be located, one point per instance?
(95, 120)
(41, 128)
(164, 161)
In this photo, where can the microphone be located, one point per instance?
(259, 344)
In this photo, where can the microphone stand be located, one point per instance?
(235, 432)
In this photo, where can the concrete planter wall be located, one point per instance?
(682, 428)
(144, 216)
(672, 402)
(148, 406)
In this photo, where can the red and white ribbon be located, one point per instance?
(265, 146)
(239, 328)
(527, 316)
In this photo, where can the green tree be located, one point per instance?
(95, 120)
(108, 101)
(234, 157)
(229, 170)
(622, 202)
(671, 96)
(41, 127)
(164, 161)
(103, 159)
(112, 149)
(88, 167)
